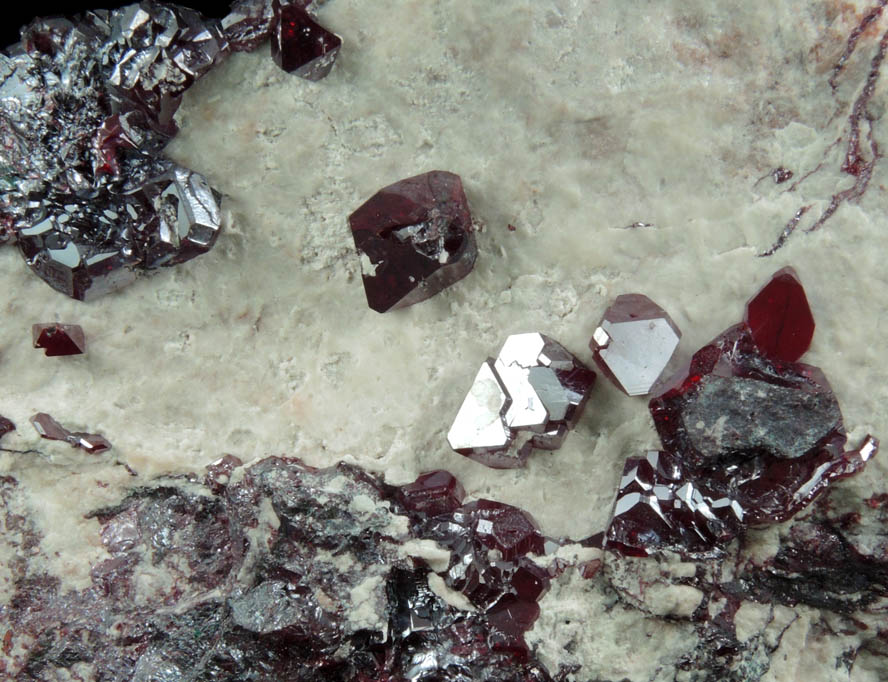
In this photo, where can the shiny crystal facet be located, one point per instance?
(432, 494)
(50, 429)
(414, 238)
(534, 388)
(59, 339)
(300, 45)
(86, 108)
(658, 507)
(634, 342)
(780, 318)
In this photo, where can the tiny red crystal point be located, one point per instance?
(780, 318)
(59, 339)
(300, 45)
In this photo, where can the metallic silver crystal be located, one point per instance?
(634, 342)
(534, 389)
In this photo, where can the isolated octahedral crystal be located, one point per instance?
(59, 339)
(634, 342)
(415, 238)
(535, 389)
(300, 45)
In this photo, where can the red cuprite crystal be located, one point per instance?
(733, 404)
(415, 238)
(50, 429)
(299, 44)
(432, 494)
(59, 339)
(634, 342)
(505, 528)
(780, 318)
(6, 426)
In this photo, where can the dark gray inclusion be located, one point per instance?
(730, 415)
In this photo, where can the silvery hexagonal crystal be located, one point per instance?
(528, 397)
(634, 342)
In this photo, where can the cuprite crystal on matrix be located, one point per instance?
(86, 107)
(300, 45)
(50, 429)
(749, 437)
(780, 318)
(415, 238)
(634, 342)
(59, 339)
(659, 507)
(529, 397)
(287, 572)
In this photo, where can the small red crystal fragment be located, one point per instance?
(59, 339)
(5, 426)
(505, 528)
(50, 429)
(432, 494)
(219, 472)
(781, 174)
(300, 45)
(780, 319)
(415, 238)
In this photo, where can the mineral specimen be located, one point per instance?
(415, 238)
(780, 319)
(749, 436)
(734, 404)
(283, 572)
(534, 389)
(299, 45)
(50, 429)
(59, 339)
(634, 342)
(86, 107)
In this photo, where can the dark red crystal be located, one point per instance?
(432, 494)
(658, 507)
(733, 404)
(50, 429)
(780, 318)
(415, 237)
(6, 426)
(59, 339)
(300, 45)
(503, 527)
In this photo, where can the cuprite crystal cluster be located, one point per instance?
(528, 398)
(86, 108)
(280, 571)
(749, 436)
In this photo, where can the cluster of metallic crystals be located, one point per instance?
(86, 107)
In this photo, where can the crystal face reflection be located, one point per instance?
(415, 238)
(634, 342)
(528, 397)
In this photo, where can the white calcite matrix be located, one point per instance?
(631, 147)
